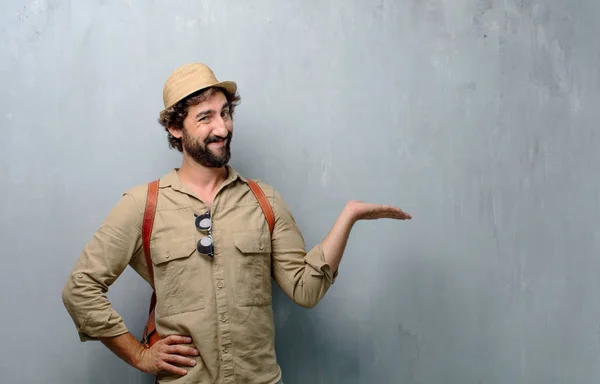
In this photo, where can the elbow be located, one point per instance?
(69, 303)
(308, 302)
(71, 293)
(67, 296)
(309, 293)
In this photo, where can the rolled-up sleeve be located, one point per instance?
(304, 276)
(102, 260)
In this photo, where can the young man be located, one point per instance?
(212, 250)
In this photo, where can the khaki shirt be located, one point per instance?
(223, 303)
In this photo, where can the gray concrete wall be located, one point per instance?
(480, 118)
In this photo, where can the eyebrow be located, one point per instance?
(210, 111)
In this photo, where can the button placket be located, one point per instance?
(222, 303)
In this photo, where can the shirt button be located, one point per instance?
(80, 275)
(220, 284)
(261, 246)
(224, 318)
(167, 255)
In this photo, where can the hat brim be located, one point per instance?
(229, 86)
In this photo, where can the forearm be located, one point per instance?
(335, 242)
(306, 276)
(126, 347)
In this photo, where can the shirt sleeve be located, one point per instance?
(304, 276)
(103, 259)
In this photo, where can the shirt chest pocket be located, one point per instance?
(253, 272)
(177, 271)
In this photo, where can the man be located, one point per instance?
(212, 252)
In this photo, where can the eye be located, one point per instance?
(225, 113)
(203, 119)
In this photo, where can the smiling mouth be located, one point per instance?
(218, 143)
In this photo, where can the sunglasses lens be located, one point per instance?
(203, 222)
(205, 246)
(206, 241)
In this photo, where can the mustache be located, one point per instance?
(216, 139)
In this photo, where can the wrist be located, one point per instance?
(349, 215)
(138, 358)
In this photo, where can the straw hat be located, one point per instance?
(188, 79)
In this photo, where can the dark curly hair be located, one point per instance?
(174, 116)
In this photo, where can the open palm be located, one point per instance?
(369, 211)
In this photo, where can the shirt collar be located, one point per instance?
(171, 179)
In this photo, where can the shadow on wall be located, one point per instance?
(305, 355)
(410, 321)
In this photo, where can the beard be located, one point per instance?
(202, 154)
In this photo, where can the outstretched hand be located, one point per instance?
(368, 211)
(334, 243)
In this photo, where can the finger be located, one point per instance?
(181, 350)
(393, 212)
(406, 216)
(402, 215)
(171, 368)
(176, 339)
(178, 360)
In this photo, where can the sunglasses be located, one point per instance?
(204, 224)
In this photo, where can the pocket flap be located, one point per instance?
(174, 249)
(252, 242)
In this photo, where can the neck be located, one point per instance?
(200, 178)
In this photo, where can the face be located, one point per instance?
(207, 131)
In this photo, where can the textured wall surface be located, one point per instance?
(480, 118)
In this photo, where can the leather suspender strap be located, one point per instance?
(150, 336)
(148, 223)
(264, 203)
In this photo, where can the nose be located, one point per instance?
(220, 128)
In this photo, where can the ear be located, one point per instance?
(175, 132)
